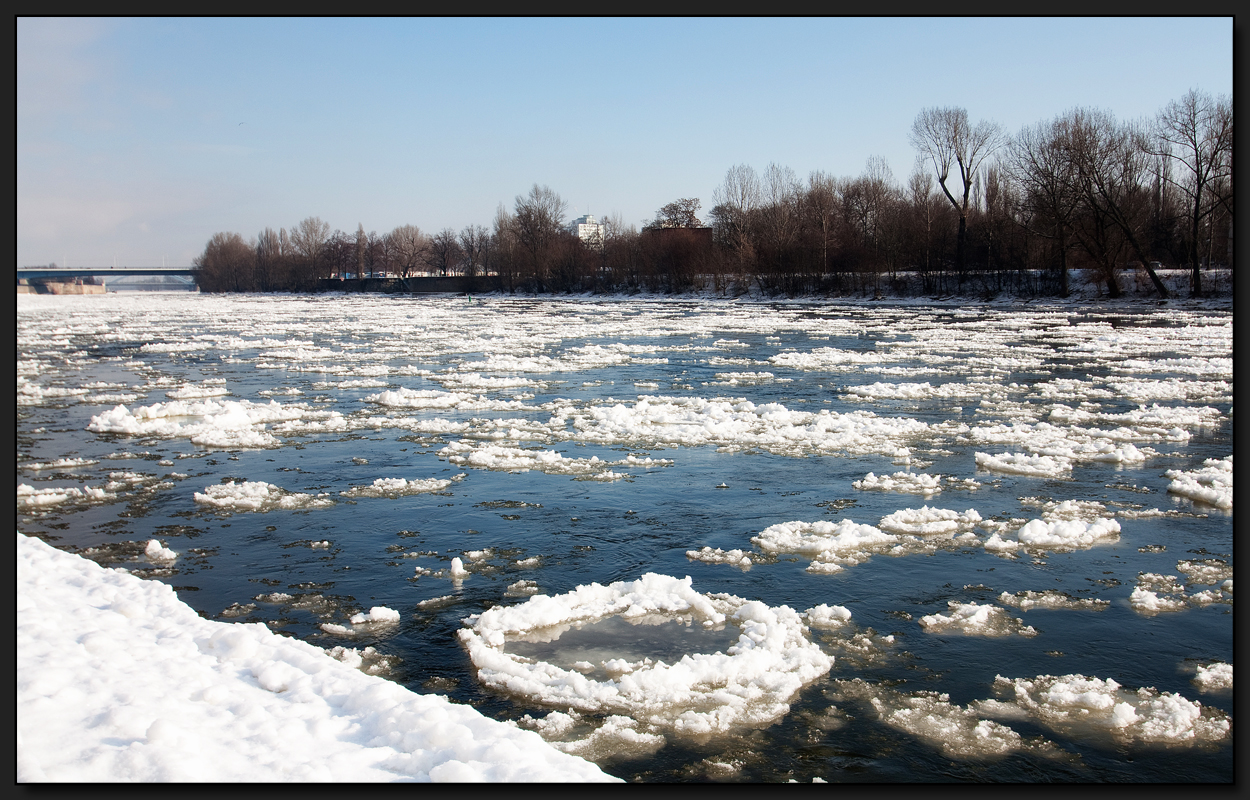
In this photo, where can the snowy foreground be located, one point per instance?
(118, 680)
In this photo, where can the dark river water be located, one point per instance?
(540, 415)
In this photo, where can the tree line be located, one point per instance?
(982, 210)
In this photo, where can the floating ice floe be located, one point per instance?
(830, 545)
(709, 555)
(1212, 484)
(516, 459)
(1205, 571)
(399, 487)
(434, 399)
(60, 463)
(910, 483)
(827, 616)
(742, 378)
(1214, 677)
(191, 391)
(30, 497)
(959, 732)
(1024, 464)
(735, 425)
(975, 619)
(1050, 598)
(751, 683)
(1059, 533)
(104, 657)
(259, 496)
(927, 521)
(158, 553)
(211, 423)
(370, 621)
(1157, 593)
(830, 358)
(1081, 706)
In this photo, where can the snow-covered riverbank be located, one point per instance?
(118, 680)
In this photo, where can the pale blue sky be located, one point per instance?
(130, 147)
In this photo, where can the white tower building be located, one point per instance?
(588, 229)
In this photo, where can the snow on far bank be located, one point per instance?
(118, 680)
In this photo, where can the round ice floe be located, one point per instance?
(751, 683)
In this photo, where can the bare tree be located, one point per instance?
(1038, 160)
(733, 217)
(538, 220)
(474, 240)
(269, 260)
(407, 245)
(1196, 132)
(226, 265)
(1110, 162)
(820, 207)
(681, 213)
(444, 252)
(308, 239)
(946, 138)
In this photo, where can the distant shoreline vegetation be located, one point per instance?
(1078, 203)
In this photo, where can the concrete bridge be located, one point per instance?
(72, 273)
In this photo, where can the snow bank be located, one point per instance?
(118, 680)
(751, 683)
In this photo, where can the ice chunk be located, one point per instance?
(751, 683)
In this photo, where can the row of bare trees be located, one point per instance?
(981, 210)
